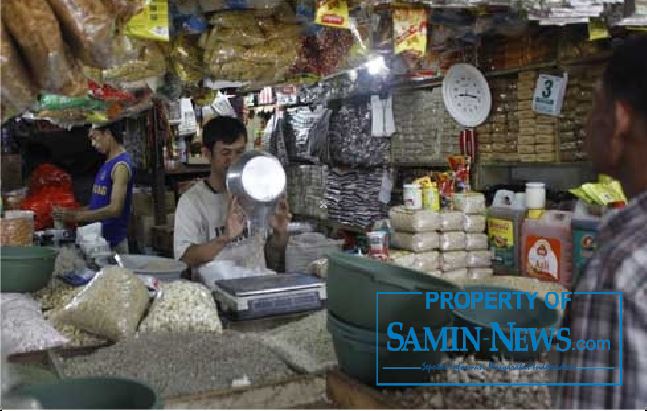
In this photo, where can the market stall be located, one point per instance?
(419, 149)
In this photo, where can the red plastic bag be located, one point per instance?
(47, 175)
(49, 187)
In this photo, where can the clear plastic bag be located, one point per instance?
(473, 223)
(416, 242)
(427, 261)
(34, 26)
(16, 87)
(150, 62)
(451, 221)
(453, 260)
(181, 307)
(480, 273)
(111, 305)
(470, 203)
(305, 248)
(454, 275)
(88, 25)
(17, 228)
(452, 241)
(476, 259)
(123, 10)
(414, 220)
(23, 326)
(475, 242)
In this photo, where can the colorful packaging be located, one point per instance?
(151, 23)
(333, 13)
(410, 29)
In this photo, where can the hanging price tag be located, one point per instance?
(549, 94)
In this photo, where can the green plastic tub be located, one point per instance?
(352, 285)
(26, 269)
(92, 394)
(541, 317)
(356, 350)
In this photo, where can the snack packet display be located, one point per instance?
(410, 30)
(152, 23)
(333, 13)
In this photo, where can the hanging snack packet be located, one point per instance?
(410, 30)
(152, 23)
(333, 13)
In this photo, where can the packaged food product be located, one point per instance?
(88, 26)
(453, 260)
(470, 203)
(475, 242)
(410, 30)
(182, 306)
(17, 228)
(333, 13)
(479, 273)
(34, 26)
(16, 88)
(474, 223)
(452, 241)
(416, 242)
(426, 261)
(526, 149)
(232, 19)
(152, 23)
(123, 10)
(111, 305)
(477, 259)
(451, 221)
(413, 221)
(454, 275)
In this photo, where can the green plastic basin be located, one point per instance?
(93, 393)
(26, 269)
(355, 349)
(540, 318)
(352, 285)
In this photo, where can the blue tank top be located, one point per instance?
(115, 230)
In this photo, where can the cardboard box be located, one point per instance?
(143, 203)
(143, 231)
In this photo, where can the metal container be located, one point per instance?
(257, 180)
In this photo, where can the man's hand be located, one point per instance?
(65, 215)
(281, 218)
(235, 223)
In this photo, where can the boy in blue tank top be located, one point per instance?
(112, 190)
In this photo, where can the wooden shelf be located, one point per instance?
(547, 164)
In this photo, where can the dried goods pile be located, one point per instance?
(352, 197)
(305, 344)
(176, 364)
(531, 397)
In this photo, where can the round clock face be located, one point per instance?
(466, 95)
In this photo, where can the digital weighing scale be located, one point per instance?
(263, 296)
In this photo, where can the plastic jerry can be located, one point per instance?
(584, 231)
(548, 247)
(504, 220)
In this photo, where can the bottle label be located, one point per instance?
(501, 239)
(542, 257)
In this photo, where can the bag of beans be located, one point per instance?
(17, 89)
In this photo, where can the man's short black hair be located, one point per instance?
(116, 129)
(625, 77)
(222, 128)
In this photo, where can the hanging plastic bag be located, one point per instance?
(88, 25)
(151, 23)
(16, 87)
(34, 26)
(111, 305)
(124, 10)
(410, 30)
(187, 60)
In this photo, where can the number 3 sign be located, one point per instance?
(549, 94)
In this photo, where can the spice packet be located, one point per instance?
(410, 30)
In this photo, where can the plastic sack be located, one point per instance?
(452, 241)
(233, 19)
(414, 220)
(470, 203)
(476, 259)
(416, 242)
(451, 221)
(305, 248)
(182, 307)
(187, 60)
(427, 261)
(48, 175)
(475, 242)
(17, 228)
(57, 102)
(16, 88)
(88, 26)
(453, 260)
(473, 223)
(23, 326)
(124, 10)
(142, 60)
(111, 305)
(34, 26)
(455, 275)
(479, 273)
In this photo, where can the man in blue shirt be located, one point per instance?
(112, 190)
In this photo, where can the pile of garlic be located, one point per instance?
(182, 306)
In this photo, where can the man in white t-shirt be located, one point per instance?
(208, 219)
